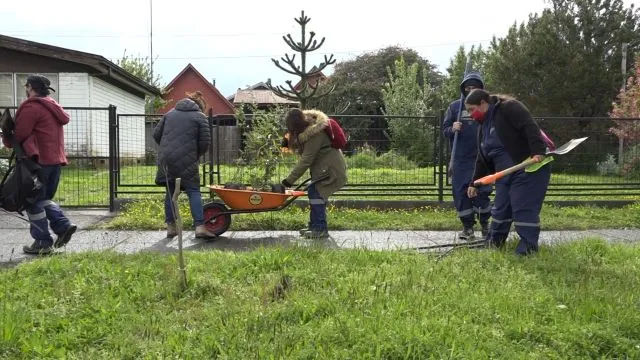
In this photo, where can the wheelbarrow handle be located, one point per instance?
(302, 184)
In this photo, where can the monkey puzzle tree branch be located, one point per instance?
(307, 90)
(295, 46)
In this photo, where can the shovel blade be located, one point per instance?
(568, 146)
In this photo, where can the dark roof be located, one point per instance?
(259, 86)
(210, 85)
(99, 63)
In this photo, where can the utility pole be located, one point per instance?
(151, 35)
(624, 87)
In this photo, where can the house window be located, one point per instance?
(7, 91)
(12, 92)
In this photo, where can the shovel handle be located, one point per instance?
(491, 179)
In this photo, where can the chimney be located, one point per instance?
(214, 82)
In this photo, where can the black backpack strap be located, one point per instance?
(9, 169)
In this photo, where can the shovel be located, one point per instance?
(491, 179)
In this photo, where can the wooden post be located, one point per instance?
(178, 219)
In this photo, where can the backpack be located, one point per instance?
(21, 183)
(336, 134)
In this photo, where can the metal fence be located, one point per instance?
(113, 156)
(85, 180)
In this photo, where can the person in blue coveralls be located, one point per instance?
(464, 162)
(508, 135)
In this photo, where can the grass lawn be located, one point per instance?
(577, 300)
(148, 214)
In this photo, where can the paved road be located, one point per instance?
(16, 234)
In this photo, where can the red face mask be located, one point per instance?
(477, 115)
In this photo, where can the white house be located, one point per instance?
(82, 81)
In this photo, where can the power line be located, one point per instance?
(90, 36)
(319, 54)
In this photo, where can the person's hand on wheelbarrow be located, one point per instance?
(286, 184)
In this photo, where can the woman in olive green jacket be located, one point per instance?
(308, 137)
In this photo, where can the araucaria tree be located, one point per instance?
(307, 90)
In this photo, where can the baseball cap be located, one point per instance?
(39, 82)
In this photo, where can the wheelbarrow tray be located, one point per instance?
(254, 200)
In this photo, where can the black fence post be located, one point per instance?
(441, 162)
(210, 162)
(113, 158)
(218, 148)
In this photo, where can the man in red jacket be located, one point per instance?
(39, 121)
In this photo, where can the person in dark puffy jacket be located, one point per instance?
(183, 136)
(464, 162)
(39, 125)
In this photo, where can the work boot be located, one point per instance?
(485, 230)
(203, 233)
(64, 238)
(316, 234)
(172, 230)
(37, 249)
(498, 241)
(467, 234)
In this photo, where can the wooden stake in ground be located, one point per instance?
(178, 219)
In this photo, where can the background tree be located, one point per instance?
(404, 96)
(358, 82)
(628, 106)
(141, 68)
(451, 86)
(307, 90)
(566, 61)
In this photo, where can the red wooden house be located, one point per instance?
(191, 80)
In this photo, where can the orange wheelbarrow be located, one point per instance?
(217, 214)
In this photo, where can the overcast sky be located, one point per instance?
(233, 41)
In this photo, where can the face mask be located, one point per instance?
(477, 115)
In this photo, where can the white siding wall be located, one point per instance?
(132, 130)
(73, 91)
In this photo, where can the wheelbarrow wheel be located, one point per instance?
(220, 224)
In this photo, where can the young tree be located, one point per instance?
(628, 106)
(403, 96)
(141, 68)
(307, 91)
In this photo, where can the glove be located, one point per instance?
(285, 183)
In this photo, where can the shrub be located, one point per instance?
(366, 158)
(608, 167)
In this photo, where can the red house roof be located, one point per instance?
(190, 80)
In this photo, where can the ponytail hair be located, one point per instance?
(476, 96)
(198, 99)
